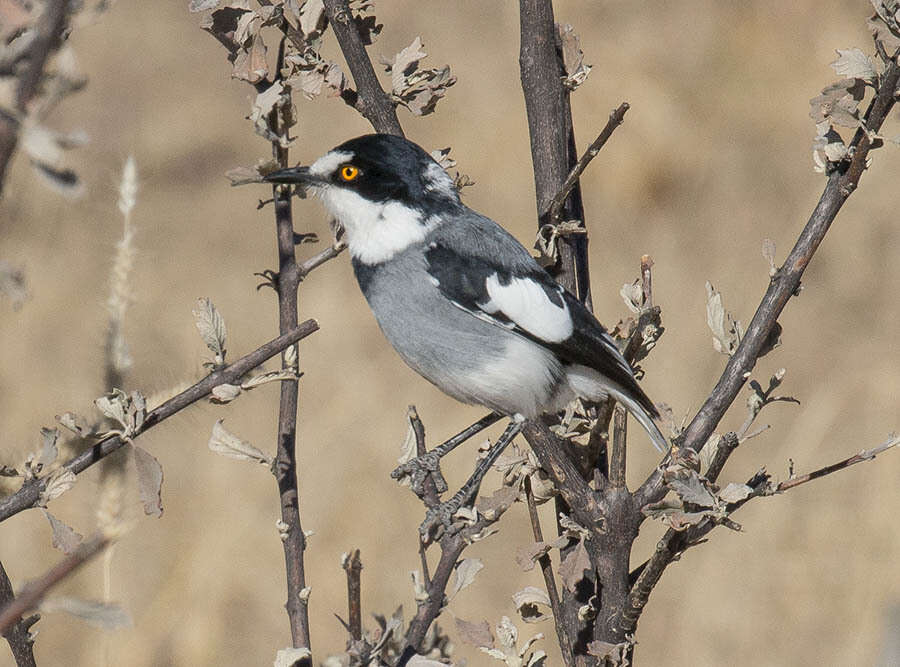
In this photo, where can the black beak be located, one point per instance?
(293, 175)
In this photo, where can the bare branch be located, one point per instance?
(616, 118)
(865, 455)
(34, 591)
(28, 495)
(18, 634)
(353, 567)
(314, 262)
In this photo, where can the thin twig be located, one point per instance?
(372, 102)
(306, 267)
(841, 184)
(565, 644)
(30, 492)
(616, 118)
(353, 568)
(34, 591)
(865, 455)
(21, 642)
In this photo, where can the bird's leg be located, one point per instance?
(420, 467)
(442, 515)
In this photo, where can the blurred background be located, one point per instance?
(713, 157)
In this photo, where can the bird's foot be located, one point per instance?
(270, 279)
(418, 470)
(439, 519)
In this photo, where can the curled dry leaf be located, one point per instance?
(227, 444)
(529, 602)
(573, 57)
(417, 90)
(727, 331)
(225, 393)
(839, 103)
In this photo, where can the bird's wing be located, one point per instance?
(526, 300)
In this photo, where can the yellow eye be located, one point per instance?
(349, 172)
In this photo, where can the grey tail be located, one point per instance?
(642, 415)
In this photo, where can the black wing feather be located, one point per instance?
(462, 279)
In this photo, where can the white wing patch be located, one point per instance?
(525, 302)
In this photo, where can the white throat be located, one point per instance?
(376, 231)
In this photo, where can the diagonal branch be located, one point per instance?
(784, 284)
(34, 591)
(30, 492)
(373, 103)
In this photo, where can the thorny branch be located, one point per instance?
(30, 492)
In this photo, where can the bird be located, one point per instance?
(462, 302)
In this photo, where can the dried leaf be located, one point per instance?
(768, 252)
(225, 393)
(128, 410)
(528, 555)
(727, 332)
(64, 538)
(49, 451)
(150, 479)
(466, 570)
(528, 603)
(417, 90)
(839, 103)
(288, 657)
(573, 57)
(500, 501)
(881, 32)
(74, 423)
(691, 489)
(262, 105)
(211, 326)
(735, 492)
(227, 444)
(58, 482)
(476, 634)
(854, 64)
(507, 634)
(420, 593)
(202, 5)
(573, 566)
(99, 614)
(633, 296)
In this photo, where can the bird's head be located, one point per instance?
(386, 191)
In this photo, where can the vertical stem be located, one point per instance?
(18, 636)
(294, 541)
(617, 460)
(353, 568)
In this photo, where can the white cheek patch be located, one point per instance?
(326, 165)
(376, 231)
(525, 302)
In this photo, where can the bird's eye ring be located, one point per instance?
(349, 172)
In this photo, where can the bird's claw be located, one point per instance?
(270, 279)
(418, 469)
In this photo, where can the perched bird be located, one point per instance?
(461, 301)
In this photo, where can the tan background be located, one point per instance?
(714, 157)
